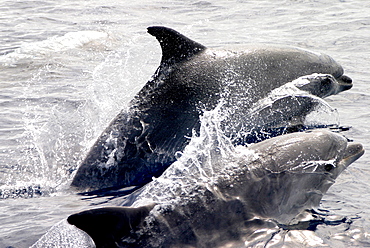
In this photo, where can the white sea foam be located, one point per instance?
(52, 45)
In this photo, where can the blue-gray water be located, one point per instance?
(68, 67)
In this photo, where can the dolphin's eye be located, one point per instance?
(328, 167)
(326, 81)
(326, 84)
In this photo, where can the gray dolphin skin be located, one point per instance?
(142, 142)
(270, 183)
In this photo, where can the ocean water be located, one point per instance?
(67, 68)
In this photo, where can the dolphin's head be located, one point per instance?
(292, 172)
(344, 82)
(322, 157)
(323, 85)
(296, 152)
(353, 152)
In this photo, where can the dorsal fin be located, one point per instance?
(175, 46)
(108, 225)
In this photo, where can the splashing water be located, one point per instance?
(58, 120)
(198, 163)
(209, 152)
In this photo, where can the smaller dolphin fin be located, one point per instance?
(108, 225)
(175, 46)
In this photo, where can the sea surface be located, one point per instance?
(68, 67)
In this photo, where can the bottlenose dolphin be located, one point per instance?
(262, 186)
(141, 143)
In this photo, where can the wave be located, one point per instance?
(30, 52)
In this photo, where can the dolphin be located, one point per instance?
(262, 186)
(142, 141)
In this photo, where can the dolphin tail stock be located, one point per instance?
(107, 225)
(175, 46)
